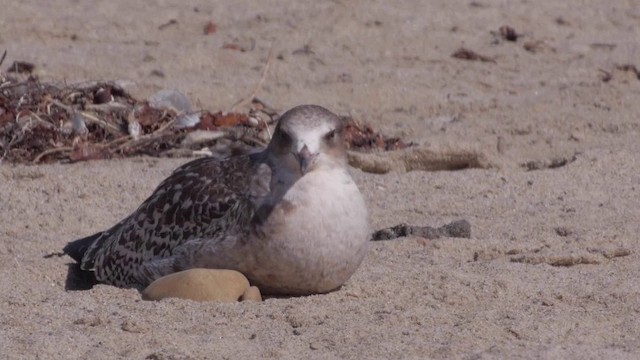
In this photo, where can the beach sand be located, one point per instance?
(552, 267)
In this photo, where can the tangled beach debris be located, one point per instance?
(44, 122)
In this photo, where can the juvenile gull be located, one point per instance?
(290, 218)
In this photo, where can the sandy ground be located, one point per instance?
(551, 270)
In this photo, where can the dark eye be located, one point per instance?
(330, 135)
(285, 139)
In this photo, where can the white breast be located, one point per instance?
(316, 237)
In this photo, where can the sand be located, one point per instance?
(551, 270)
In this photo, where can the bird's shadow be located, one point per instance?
(78, 279)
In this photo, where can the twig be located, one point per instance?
(51, 151)
(32, 116)
(145, 138)
(116, 141)
(258, 86)
(266, 126)
(4, 151)
(100, 122)
(106, 107)
(88, 116)
(4, 55)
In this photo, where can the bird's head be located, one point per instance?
(313, 135)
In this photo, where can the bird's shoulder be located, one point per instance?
(209, 187)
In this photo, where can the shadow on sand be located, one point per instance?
(78, 279)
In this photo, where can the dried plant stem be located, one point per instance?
(4, 55)
(109, 127)
(258, 86)
(95, 120)
(146, 138)
(51, 151)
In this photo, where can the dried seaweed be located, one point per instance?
(45, 122)
(42, 122)
(362, 137)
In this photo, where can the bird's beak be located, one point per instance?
(306, 158)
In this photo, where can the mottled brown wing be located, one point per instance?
(195, 201)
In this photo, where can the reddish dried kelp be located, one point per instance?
(43, 122)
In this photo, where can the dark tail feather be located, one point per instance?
(77, 248)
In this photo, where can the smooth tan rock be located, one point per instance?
(199, 285)
(252, 294)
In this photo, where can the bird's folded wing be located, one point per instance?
(199, 200)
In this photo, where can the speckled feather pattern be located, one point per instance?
(189, 204)
(287, 230)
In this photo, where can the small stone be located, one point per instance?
(563, 231)
(158, 73)
(102, 96)
(199, 285)
(132, 327)
(252, 294)
(508, 33)
(459, 228)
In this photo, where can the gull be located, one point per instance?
(290, 217)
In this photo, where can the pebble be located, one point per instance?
(252, 294)
(199, 285)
